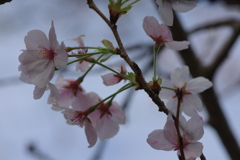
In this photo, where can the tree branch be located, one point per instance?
(227, 22)
(224, 50)
(139, 77)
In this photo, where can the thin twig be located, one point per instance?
(139, 77)
(180, 140)
(202, 157)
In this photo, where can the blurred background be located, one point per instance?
(31, 130)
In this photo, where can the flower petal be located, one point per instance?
(180, 76)
(190, 103)
(36, 38)
(110, 79)
(61, 58)
(184, 5)
(192, 150)
(42, 79)
(178, 46)
(118, 114)
(194, 128)
(90, 134)
(108, 129)
(53, 38)
(166, 12)
(38, 92)
(197, 85)
(157, 141)
(151, 27)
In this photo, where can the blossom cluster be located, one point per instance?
(101, 117)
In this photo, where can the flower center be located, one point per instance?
(45, 53)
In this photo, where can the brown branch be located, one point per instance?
(224, 50)
(217, 118)
(202, 157)
(155, 98)
(227, 22)
(176, 122)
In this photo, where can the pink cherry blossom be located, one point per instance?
(180, 80)
(42, 57)
(191, 131)
(79, 114)
(84, 64)
(68, 90)
(161, 34)
(166, 6)
(113, 78)
(107, 119)
(38, 92)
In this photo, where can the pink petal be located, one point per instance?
(53, 90)
(170, 132)
(108, 129)
(42, 79)
(82, 66)
(31, 65)
(180, 76)
(26, 78)
(110, 79)
(66, 97)
(157, 141)
(183, 5)
(38, 92)
(194, 128)
(53, 38)
(61, 59)
(178, 46)
(36, 38)
(192, 150)
(90, 134)
(118, 114)
(166, 12)
(151, 27)
(165, 33)
(79, 40)
(197, 85)
(190, 103)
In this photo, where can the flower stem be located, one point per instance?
(129, 85)
(111, 70)
(85, 54)
(175, 90)
(155, 52)
(79, 59)
(89, 69)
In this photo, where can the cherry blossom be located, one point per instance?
(38, 92)
(191, 131)
(166, 6)
(78, 114)
(161, 34)
(84, 64)
(41, 57)
(113, 78)
(180, 80)
(107, 119)
(68, 90)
